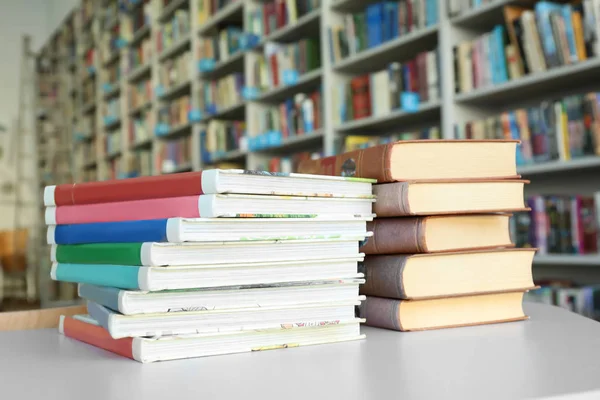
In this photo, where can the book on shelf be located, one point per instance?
(379, 23)
(283, 64)
(561, 129)
(112, 143)
(140, 55)
(533, 39)
(212, 181)
(208, 8)
(561, 224)
(296, 116)
(225, 92)
(580, 299)
(267, 17)
(140, 94)
(174, 154)
(173, 114)
(111, 77)
(175, 29)
(220, 138)
(209, 206)
(141, 128)
(140, 164)
(446, 312)
(141, 16)
(145, 350)
(422, 159)
(219, 47)
(399, 86)
(130, 302)
(114, 168)
(175, 71)
(290, 163)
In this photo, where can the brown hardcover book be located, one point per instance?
(437, 233)
(422, 160)
(425, 276)
(451, 312)
(401, 199)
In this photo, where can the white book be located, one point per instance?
(131, 302)
(221, 321)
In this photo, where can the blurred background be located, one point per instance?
(110, 89)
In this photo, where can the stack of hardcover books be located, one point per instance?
(211, 262)
(441, 253)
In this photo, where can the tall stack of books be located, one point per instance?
(441, 254)
(211, 262)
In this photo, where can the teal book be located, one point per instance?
(189, 277)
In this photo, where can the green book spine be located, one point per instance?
(100, 253)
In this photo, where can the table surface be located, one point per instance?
(555, 354)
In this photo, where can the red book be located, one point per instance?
(409, 17)
(285, 131)
(414, 79)
(361, 96)
(280, 13)
(274, 70)
(316, 98)
(587, 225)
(96, 336)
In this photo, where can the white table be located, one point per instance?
(556, 353)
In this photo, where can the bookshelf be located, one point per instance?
(157, 147)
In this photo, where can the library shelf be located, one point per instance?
(234, 112)
(111, 23)
(297, 142)
(483, 17)
(229, 156)
(378, 57)
(178, 131)
(141, 144)
(176, 91)
(139, 35)
(233, 12)
(350, 5)
(550, 82)
(112, 58)
(88, 108)
(170, 9)
(306, 81)
(575, 164)
(234, 63)
(583, 260)
(112, 155)
(304, 26)
(426, 112)
(112, 125)
(139, 72)
(176, 48)
(140, 109)
(113, 92)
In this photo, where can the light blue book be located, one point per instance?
(208, 276)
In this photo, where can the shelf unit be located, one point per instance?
(449, 110)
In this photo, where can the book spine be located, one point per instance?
(121, 276)
(392, 200)
(589, 224)
(109, 232)
(161, 208)
(395, 236)
(542, 11)
(180, 185)
(106, 296)
(96, 336)
(118, 254)
(383, 276)
(381, 313)
(373, 163)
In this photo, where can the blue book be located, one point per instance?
(195, 277)
(543, 9)
(375, 21)
(431, 12)
(492, 53)
(178, 230)
(567, 13)
(502, 68)
(514, 134)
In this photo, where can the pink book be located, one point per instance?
(211, 206)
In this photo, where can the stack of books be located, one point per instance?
(211, 262)
(441, 254)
